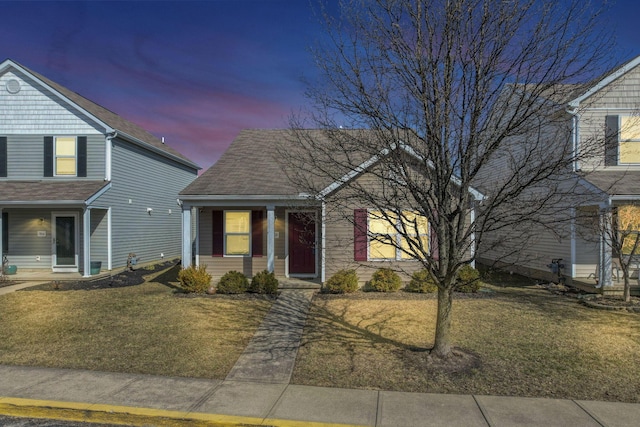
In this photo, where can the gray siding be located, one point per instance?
(142, 180)
(99, 236)
(26, 156)
(34, 109)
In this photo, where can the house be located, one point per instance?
(604, 139)
(80, 184)
(250, 215)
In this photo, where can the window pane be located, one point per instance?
(236, 222)
(630, 152)
(629, 128)
(65, 166)
(379, 225)
(405, 245)
(65, 146)
(421, 223)
(629, 223)
(381, 250)
(237, 245)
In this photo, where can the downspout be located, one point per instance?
(107, 154)
(575, 136)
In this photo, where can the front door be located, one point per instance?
(302, 243)
(65, 238)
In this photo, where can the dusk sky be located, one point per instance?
(195, 72)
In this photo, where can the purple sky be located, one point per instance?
(194, 72)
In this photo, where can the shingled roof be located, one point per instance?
(76, 191)
(616, 182)
(247, 167)
(124, 127)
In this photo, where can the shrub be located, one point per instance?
(194, 279)
(468, 280)
(384, 280)
(264, 283)
(233, 282)
(422, 282)
(344, 281)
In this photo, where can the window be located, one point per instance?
(629, 139)
(628, 223)
(65, 156)
(237, 232)
(387, 231)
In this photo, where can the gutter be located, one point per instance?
(575, 135)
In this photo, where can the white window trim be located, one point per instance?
(224, 234)
(398, 238)
(56, 157)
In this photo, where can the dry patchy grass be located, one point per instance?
(529, 343)
(137, 329)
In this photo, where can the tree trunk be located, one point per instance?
(442, 346)
(627, 286)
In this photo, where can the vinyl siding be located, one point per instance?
(618, 98)
(35, 109)
(99, 236)
(25, 157)
(142, 180)
(339, 241)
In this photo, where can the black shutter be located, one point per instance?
(611, 141)
(3, 156)
(48, 156)
(217, 234)
(82, 156)
(256, 233)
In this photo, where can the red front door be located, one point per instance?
(302, 243)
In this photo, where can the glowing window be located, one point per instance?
(65, 152)
(397, 237)
(237, 232)
(629, 139)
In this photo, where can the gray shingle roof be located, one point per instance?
(248, 167)
(108, 117)
(48, 191)
(616, 183)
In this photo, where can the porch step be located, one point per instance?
(290, 283)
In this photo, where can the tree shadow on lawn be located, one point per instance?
(366, 337)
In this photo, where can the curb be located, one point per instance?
(114, 414)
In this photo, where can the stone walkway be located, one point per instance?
(271, 354)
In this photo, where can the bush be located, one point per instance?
(264, 283)
(233, 282)
(344, 281)
(422, 282)
(468, 280)
(194, 279)
(384, 280)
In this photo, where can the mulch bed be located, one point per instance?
(120, 280)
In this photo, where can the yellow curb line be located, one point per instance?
(114, 414)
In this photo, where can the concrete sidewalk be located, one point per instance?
(162, 401)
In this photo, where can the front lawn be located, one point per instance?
(528, 341)
(136, 329)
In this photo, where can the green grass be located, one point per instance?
(528, 341)
(138, 329)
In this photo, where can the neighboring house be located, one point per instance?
(249, 217)
(78, 183)
(605, 138)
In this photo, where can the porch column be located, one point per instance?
(606, 272)
(196, 218)
(86, 241)
(186, 236)
(109, 242)
(271, 238)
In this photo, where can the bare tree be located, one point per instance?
(461, 102)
